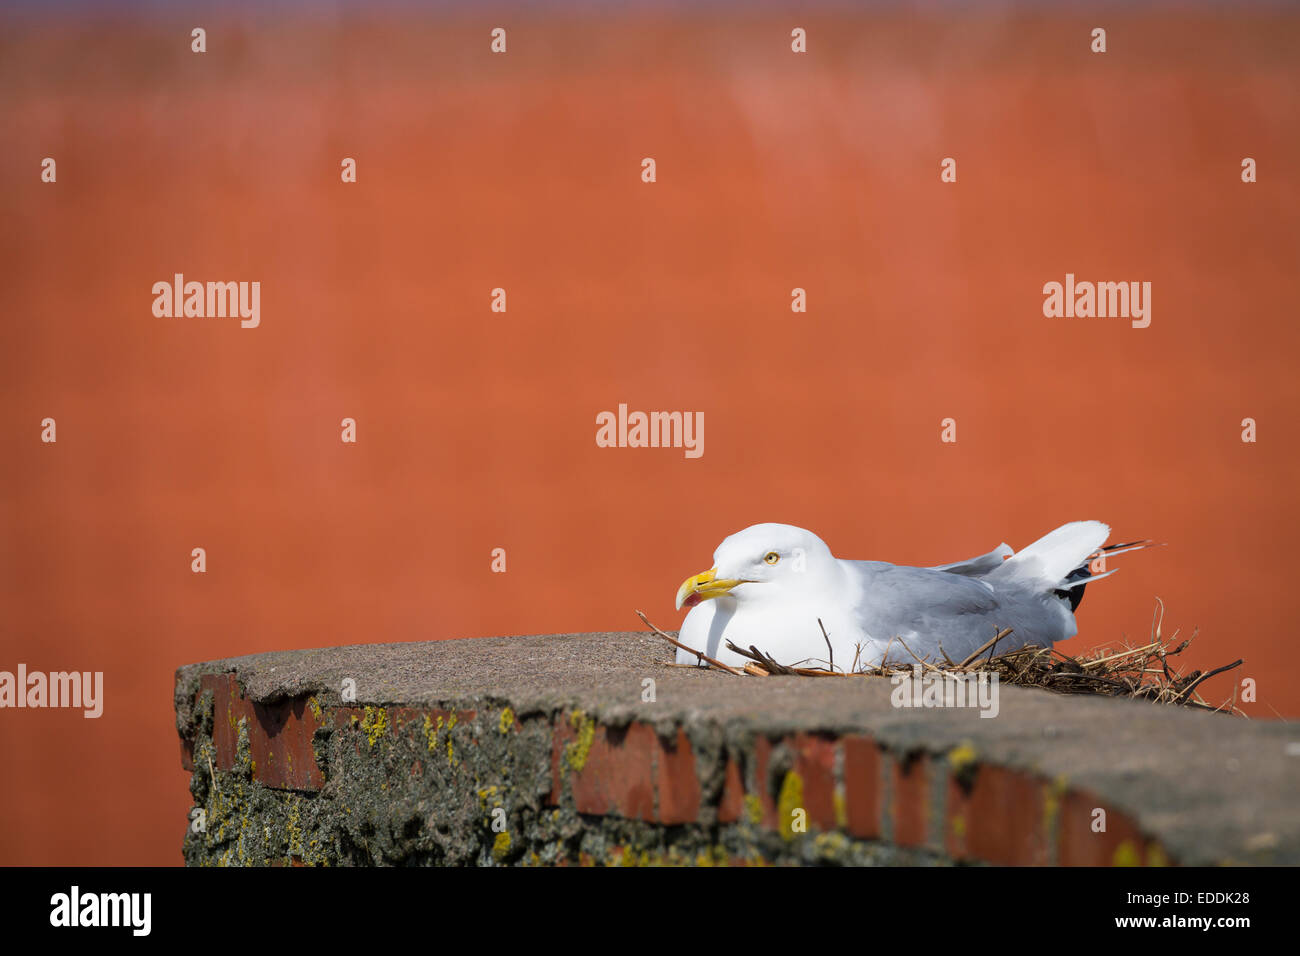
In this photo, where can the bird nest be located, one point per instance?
(1145, 672)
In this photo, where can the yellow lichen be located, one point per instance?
(961, 757)
(501, 846)
(507, 719)
(577, 750)
(753, 809)
(1156, 855)
(831, 846)
(374, 723)
(1126, 854)
(294, 829)
(314, 705)
(431, 732)
(789, 803)
(841, 807)
(713, 856)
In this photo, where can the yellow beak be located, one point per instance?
(703, 587)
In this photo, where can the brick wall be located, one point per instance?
(287, 773)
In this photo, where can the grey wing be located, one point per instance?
(957, 612)
(976, 567)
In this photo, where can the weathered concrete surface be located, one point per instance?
(1209, 788)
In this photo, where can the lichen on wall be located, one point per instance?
(429, 788)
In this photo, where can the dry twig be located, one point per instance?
(1141, 673)
(676, 643)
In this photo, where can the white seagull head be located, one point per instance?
(770, 559)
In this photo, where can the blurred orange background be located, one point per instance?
(476, 430)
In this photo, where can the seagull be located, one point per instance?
(779, 589)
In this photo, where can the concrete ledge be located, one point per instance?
(549, 750)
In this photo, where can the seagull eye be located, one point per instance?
(771, 557)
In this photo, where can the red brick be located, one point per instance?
(280, 743)
(1078, 845)
(911, 800)
(732, 804)
(862, 787)
(617, 775)
(815, 764)
(678, 786)
(279, 735)
(1000, 820)
(228, 705)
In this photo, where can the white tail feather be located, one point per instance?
(1057, 553)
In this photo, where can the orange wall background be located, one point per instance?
(477, 430)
